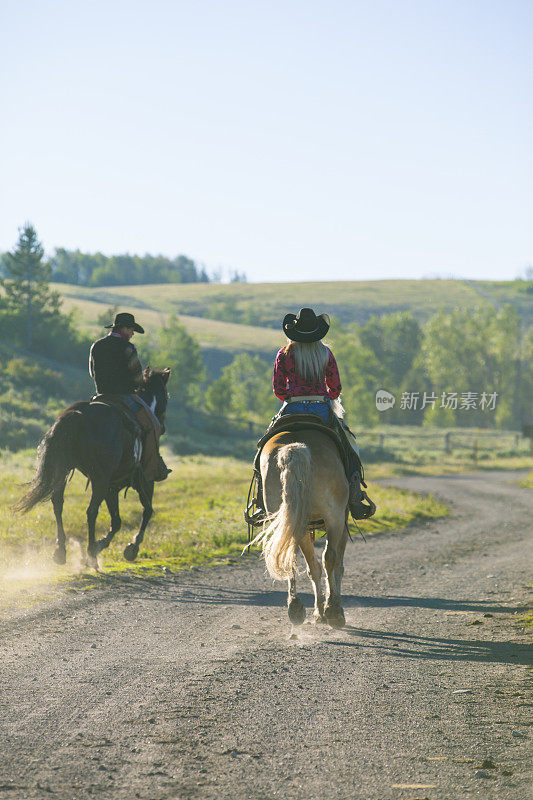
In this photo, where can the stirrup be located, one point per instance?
(163, 471)
(254, 513)
(256, 517)
(363, 510)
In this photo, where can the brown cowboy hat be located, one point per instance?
(126, 320)
(305, 326)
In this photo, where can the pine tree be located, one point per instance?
(26, 281)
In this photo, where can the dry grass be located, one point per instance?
(348, 300)
(198, 519)
(209, 332)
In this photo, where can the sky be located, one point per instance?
(291, 141)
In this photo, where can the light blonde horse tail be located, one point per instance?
(287, 527)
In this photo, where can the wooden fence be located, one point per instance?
(396, 439)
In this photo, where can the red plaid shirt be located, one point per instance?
(288, 384)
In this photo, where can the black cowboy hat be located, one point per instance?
(126, 320)
(305, 326)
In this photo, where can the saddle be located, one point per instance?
(128, 417)
(287, 423)
(120, 405)
(297, 422)
(146, 431)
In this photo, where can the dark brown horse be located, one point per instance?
(96, 439)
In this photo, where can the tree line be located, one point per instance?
(97, 269)
(465, 368)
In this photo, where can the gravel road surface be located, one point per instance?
(195, 685)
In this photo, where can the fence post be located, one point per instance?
(447, 442)
(381, 440)
(474, 451)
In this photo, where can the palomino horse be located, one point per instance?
(304, 480)
(95, 439)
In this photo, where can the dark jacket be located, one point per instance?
(115, 366)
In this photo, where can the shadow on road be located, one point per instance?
(205, 593)
(405, 645)
(437, 603)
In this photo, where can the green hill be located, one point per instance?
(236, 318)
(264, 304)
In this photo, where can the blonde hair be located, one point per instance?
(310, 359)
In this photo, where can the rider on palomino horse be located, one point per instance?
(306, 378)
(115, 367)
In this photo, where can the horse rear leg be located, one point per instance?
(295, 606)
(337, 536)
(99, 491)
(146, 494)
(111, 500)
(60, 553)
(314, 571)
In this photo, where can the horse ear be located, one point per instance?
(166, 373)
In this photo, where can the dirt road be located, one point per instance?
(196, 686)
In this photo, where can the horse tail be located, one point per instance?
(54, 461)
(287, 527)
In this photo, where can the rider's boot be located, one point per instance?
(162, 470)
(257, 516)
(359, 503)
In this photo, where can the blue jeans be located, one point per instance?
(131, 401)
(321, 410)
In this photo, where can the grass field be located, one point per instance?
(386, 450)
(198, 519)
(408, 449)
(198, 515)
(346, 300)
(528, 482)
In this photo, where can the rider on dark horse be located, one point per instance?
(115, 367)
(100, 438)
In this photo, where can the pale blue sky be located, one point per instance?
(290, 140)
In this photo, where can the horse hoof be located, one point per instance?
(335, 616)
(296, 611)
(91, 562)
(101, 544)
(131, 551)
(60, 556)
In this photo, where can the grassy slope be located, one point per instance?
(264, 305)
(347, 300)
(516, 293)
(209, 332)
(268, 302)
